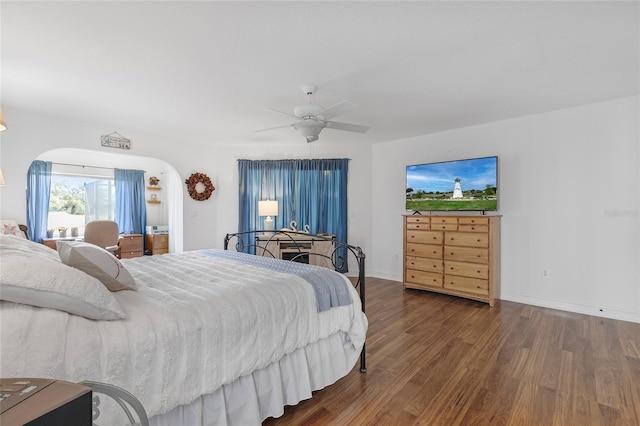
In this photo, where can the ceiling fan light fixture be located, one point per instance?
(310, 129)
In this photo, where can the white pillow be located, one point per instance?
(51, 284)
(10, 227)
(96, 262)
(13, 244)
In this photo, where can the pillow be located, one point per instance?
(13, 244)
(10, 227)
(96, 262)
(51, 284)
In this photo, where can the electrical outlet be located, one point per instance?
(545, 273)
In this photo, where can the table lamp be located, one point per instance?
(268, 208)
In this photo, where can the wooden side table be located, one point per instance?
(44, 402)
(51, 242)
(158, 243)
(131, 245)
(302, 248)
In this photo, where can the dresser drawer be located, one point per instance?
(468, 285)
(130, 254)
(473, 221)
(472, 270)
(473, 228)
(444, 223)
(467, 254)
(423, 279)
(417, 222)
(424, 237)
(444, 226)
(424, 264)
(468, 239)
(424, 250)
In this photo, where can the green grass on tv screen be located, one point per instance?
(452, 205)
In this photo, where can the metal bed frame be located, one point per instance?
(248, 242)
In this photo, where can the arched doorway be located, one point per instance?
(169, 208)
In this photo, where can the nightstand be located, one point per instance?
(158, 243)
(131, 245)
(44, 402)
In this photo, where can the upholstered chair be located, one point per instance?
(103, 233)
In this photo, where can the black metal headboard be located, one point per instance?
(262, 243)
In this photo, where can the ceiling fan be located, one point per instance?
(312, 118)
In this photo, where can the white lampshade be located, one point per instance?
(268, 208)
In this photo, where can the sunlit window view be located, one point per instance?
(77, 200)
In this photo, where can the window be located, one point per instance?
(78, 199)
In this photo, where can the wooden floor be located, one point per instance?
(439, 360)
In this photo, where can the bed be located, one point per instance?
(200, 337)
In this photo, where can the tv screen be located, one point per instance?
(470, 184)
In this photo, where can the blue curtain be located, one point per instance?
(131, 209)
(38, 190)
(311, 192)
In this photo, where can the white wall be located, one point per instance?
(205, 222)
(569, 187)
(569, 196)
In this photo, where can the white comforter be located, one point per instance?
(197, 322)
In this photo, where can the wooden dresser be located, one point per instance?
(131, 245)
(456, 255)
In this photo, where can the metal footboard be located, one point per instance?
(299, 248)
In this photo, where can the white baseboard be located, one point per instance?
(538, 301)
(384, 275)
(571, 307)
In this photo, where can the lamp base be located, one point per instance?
(268, 224)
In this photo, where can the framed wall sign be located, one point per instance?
(115, 140)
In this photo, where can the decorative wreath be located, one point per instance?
(199, 186)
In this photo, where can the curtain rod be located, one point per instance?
(83, 166)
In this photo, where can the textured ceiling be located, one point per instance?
(206, 71)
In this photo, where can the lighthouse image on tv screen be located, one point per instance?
(453, 185)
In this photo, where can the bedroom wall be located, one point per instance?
(204, 223)
(569, 196)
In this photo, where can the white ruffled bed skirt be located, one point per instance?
(265, 392)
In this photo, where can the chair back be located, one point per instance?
(103, 233)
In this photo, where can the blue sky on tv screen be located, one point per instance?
(476, 173)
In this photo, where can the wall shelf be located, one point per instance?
(153, 201)
(154, 188)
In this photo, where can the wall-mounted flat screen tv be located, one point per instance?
(470, 185)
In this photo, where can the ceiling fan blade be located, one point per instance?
(337, 109)
(282, 112)
(347, 126)
(277, 127)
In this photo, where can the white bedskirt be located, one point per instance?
(264, 393)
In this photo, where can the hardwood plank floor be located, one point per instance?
(440, 360)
